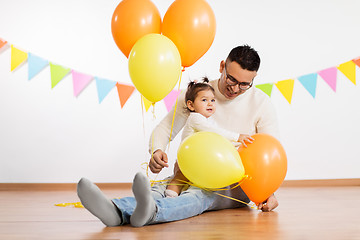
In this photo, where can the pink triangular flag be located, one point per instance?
(170, 99)
(80, 81)
(330, 76)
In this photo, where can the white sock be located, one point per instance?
(170, 193)
(94, 200)
(145, 209)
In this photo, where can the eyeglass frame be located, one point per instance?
(240, 84)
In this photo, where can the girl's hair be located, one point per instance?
(195, 87)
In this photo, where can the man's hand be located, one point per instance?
(243, 138)
(158, 161)
(270, 204)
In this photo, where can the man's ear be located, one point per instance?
(222, 66)
(190, 105)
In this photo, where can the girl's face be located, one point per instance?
(204, 103)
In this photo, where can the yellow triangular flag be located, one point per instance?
(17, 57)
(348, 69)
(147, 103)
(286, 88)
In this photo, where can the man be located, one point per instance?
(241, 108)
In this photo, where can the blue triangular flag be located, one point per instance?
(35, 65)
(309, 82)
(103, 86)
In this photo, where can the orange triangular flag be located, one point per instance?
(348, 69)
(147, 103)
(17, 57)
(2, 43)
(124, 92)
(357, 61)
(286, 88)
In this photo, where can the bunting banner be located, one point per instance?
(17, 57)
(57, 73)
(266, 88)
(35, 65)
(124, 92)
(286, 88)
(2, 43)
(170, 99)
(147, 103)
(329, 75)
(309, 82)
(104, 86)
(81, 80)
(348, 69)
(357, 61)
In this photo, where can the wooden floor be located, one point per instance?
(304, 213)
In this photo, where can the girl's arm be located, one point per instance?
(201, 123)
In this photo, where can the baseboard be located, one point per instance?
(56, 186)
(72, 186)
(322, 183)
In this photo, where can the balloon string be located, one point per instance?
(153, 111)
(165, 182)
(76, 204)
(142, 112)
(231, 198)
(217, 189)
(152, 155)
(143, 122)
(173, 119)
(152, 137)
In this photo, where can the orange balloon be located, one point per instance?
(265, 163)
(191, 25)
(133, 19)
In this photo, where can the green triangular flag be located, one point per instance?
(57, 73)
(266, 88)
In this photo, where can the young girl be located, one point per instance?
(200, 101)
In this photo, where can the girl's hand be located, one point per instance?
(245, 138)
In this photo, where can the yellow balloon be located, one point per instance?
(154, 66)
(209, 160)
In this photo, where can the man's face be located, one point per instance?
(232, 72)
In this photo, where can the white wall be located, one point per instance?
(47, 135)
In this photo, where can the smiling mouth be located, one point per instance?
(232, 93)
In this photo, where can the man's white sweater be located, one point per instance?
(249, 113)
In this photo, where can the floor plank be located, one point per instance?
(304, 213)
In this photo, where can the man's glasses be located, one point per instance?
(231, 81)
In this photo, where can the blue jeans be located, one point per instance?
(189, 203)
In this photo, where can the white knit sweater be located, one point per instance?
(249, 113)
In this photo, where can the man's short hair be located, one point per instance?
(246, 57)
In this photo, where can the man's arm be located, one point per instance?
(267, 121)
(161, 134)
